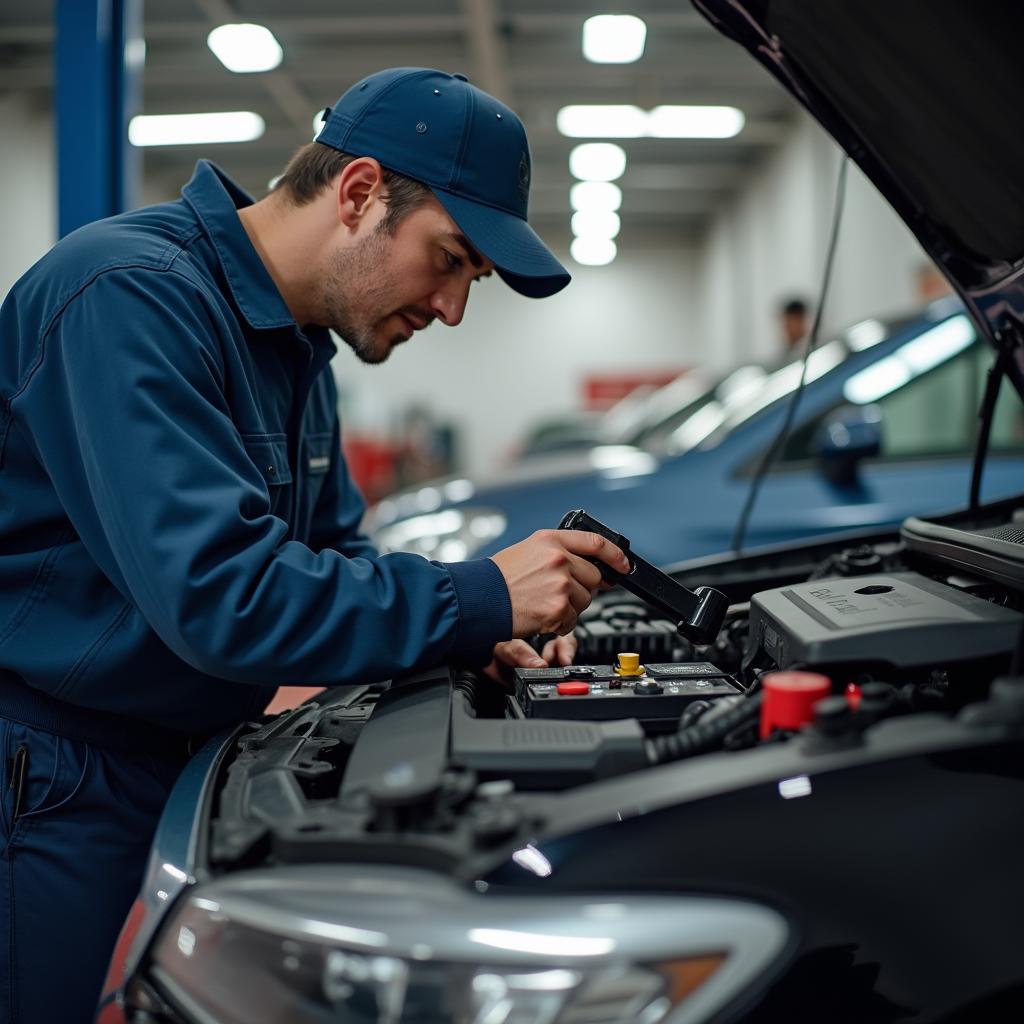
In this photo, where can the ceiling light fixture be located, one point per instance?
(614, 38)
(245, 48)
(597, 121)
(194, 129)
(593, 252)
(621, 121)
(595, 195)
(597, 161)
(689, 122)
(595, 224)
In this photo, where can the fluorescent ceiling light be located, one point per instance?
(593, 252)
(192, 129)
(622, 121)
(598, 121)
(597, 161)
(595, 195)
(595, 224)
(679, 122)
(245, 48)
(614, 38)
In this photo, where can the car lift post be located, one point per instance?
(98, 71)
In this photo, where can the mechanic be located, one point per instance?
(179, 531)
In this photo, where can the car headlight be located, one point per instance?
(388, 945)
(450, 535)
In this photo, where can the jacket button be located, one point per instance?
(271, 471)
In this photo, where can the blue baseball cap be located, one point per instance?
(468, 147)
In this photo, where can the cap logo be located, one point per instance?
(421, 127)
(524, 176)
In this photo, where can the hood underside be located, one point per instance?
(924, 96)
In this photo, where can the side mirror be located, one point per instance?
(850, 433)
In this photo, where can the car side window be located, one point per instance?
(933, 414)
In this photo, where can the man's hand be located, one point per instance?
(550, 580)
(519, 654)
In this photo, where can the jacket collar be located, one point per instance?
(216, 200)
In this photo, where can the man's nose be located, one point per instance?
(448, 304)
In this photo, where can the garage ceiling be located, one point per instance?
(525, 51)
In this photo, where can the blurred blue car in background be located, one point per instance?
(885, 428)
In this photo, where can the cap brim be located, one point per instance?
(522, 260)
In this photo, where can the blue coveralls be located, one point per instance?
(178, 536)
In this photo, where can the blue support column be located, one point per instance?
(98, 81)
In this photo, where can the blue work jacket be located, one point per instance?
(178, 530)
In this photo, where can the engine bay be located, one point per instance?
(841, 653)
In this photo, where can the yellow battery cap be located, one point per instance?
(629, 665)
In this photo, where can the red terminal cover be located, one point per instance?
(789, 699)
(573, 689)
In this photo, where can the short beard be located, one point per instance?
(356, 281)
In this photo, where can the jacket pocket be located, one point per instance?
(269, 454)
(43, 773)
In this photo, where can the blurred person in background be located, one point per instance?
(794, 326)
(930, 283)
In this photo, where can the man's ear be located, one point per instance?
(357, 190)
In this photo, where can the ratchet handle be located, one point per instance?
(699, 614)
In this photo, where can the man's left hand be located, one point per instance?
(519, 654)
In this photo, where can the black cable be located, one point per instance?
(986, 414)
(703, 736)
(812, 341)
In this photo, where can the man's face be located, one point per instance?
(379, 289)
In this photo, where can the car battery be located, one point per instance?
(654, 693)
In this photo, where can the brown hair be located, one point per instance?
(314, 166)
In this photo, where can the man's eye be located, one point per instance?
(453, 262)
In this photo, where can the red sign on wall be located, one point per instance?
(602, 390)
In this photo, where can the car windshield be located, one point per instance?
(749, 390)
(645, 410)
(660, 426)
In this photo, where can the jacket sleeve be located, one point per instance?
(128, 415)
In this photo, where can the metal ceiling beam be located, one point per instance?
(487, 49)
(523, 83)
(353, 26)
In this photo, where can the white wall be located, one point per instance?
(28, 190)
(514, 360)
(769, 243)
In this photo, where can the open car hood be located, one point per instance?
(924, 96)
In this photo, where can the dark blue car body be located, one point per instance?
(682, 506)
